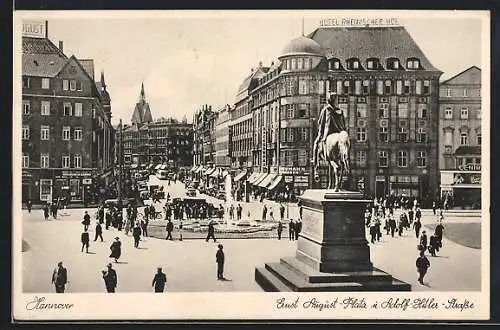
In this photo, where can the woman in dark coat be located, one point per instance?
(116, 249)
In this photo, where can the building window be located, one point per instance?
(403, 110)
(418, 87)
(321, 87)
(383, 110)
(72, 85)
(77, 159)
(366, 87)
(361, 134)
(26, 160)
(464, 113)
(44, 133)
(26, 107)
(422, 111)
(304, 136)
(399, 87)
(465, 94)
(294, 63)
(479, 138)
(303, 110)
(67, 110)
(402, 159)
(421, 135)
(78, 134)
(427, 87)
(388, 87)
(380, 87)
(383, 136)
(464, 139)
(65, 84)
(307, 63)
(357, 87)
(413, 64)
(406, 87)
(383, 158)
(448, 92)
(448, 138)
(421, 158)
(78, 109)
(345, 88)
(402, 134)
(66, 161)
(361, 111)
(79, 86)
(26, 132)
(300, 63)
(44, 160)
(361, 158)
(448, 113)
(45, 83)
(26, 82)
(303, 87)
(66, 133)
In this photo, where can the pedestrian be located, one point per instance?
(373, 230)
(219, 258)
(423, 241)
(434, 207)
(60, 277)
(180, 230)
(46, 211)
(418, 214)
(108, 219)
(433, 245)
(110, 279)
(438, 233)
(417, 225)
(264, 213)
(146, 212)
(392, 225)
(170, 227)
(280, 229)
(85, 240)
(159, 281)
(100, 214)
(297, 228)
(423, 264)
(239, 210)
(300, 210)
(136, 232)
(291, 230)
(402, 223)
(116, 249)
(128, 223)
(144, 227)
(282, 212)
(28, 205)
(98, 232)
(211, 231)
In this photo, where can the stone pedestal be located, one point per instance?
(332, 251)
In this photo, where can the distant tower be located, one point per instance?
(142, 112)
(106, 100)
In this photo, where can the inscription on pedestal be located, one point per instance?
(312, 223)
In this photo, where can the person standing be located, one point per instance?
(60, 277)
(136, 232)
(98, 232)
(291, 230)
(239, 210)
(46, 211)
(86, 221)
(434, 207)
(438, 233)
(423, 264)
(264, 213)
(180, 230)
(423, 241)
(392, 225)
(282, 212)
(433, 246)
(108, 219)
(170, 227)
(110, 279)
(211, 231)
(28, 205)
(219, 258)
(280, 229)
(85, 240)
(144, 227)
(417, 225)
(159, 281)
(297, 229)
(100, 214)
(116, 249)
(418, 214)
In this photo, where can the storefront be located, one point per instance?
(297, 179)
(462, 187)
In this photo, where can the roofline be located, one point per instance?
(85, 71)
(301, 53)
(458, 74)
(60, 52)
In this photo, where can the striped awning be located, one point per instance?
(157, 167)
(209, 171)
(259, 178)
(217, 172)
(198, 169)
(275, 183)
(253, 177)
(193, 169)
(267, 180)
(240, 176)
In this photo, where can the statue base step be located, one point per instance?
(293, 275)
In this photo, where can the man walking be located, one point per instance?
(86, 221)
(28, 205)
(137, 235)
(423, 264)
(219, 258)
(417, 225)
(264, 213)
(159, 281)
(282, 212)
(98, 232)
(108, 219)
(85, 240)
(60, 277)
(239, 209)
(423, 241)
(110, 279)
(297, 229)
(211, 231)
(144, 227)
(170, 227)
(291, 230)
(46, 211)
(280, 229)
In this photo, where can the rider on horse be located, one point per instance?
(331, 120)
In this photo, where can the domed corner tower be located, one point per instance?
(301, 54)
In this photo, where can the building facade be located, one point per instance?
(388, 91)
(67, 136)
(204, 137)
(460, 142)
(222, 139)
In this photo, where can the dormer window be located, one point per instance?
(393, 63)
(353, 64)
(413, 63)
(334, 64)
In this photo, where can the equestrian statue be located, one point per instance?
(332, 144)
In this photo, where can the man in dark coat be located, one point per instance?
(239, 209)
(211, 231)
(219, 258)
(423, 264)
(291, 230)
(423, 240)
(170, 228)
(110, 279)
(297, 228)
(100, 215)
(417, 225)
(282, 212)
(136, 232)
(438, 233)
(46, 211)
(392, 225)
(98, 232)
(60, 277)
(144, 227)
(85, 240)
(280, 229)
(116, 249)
(433, 245)
(28, 205)
(108, 219)
(86, 221)
(264, 213)
(159, 281)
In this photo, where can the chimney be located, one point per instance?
(61, 48)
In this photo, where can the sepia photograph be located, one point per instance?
(251, 164)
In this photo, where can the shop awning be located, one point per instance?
(267, 180)
(240, 176)
(193, 169)
(252, 177)
(225, 173)
(259, 178)
(199, 169)
(276, 182)
(468, 150)
(157, 167)
(210, 171)
(215, 173)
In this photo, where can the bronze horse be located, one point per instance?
(335, 151)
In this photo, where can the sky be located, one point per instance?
(186, 61)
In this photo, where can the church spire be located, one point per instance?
(103, 83)
(143, 96)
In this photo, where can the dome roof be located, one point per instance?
(302, 45)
